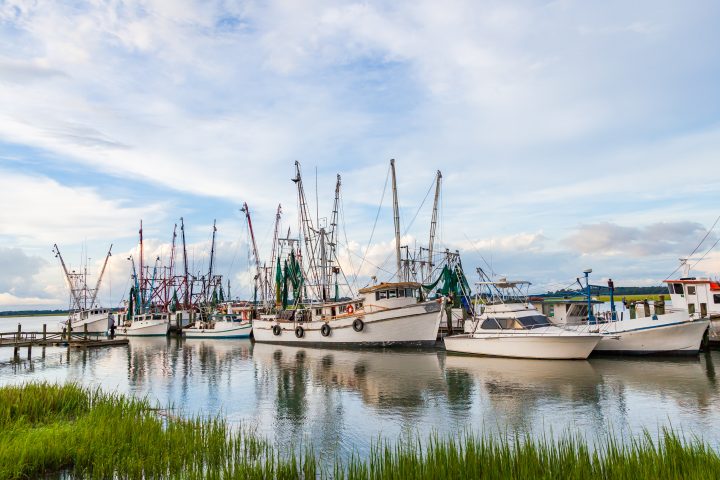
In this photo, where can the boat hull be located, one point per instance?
(94, 325)
(144, 328)
(415, 324)
(681, 338)
(565, 347)
(220, 330)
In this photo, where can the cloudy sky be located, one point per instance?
(569, 134)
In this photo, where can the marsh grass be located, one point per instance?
(81, 433)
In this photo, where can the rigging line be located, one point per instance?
(368, 261)
(697, 247)
(372, 232)
(709, 250)
(352, 268)
(477, 250)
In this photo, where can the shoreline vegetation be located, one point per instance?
(51, 431)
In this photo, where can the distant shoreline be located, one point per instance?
(33, 314)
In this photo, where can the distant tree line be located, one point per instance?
(660, 289)
(18, 313)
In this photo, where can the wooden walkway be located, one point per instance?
(20, 339)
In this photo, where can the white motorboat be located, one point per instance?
(647, 329)
(383, 314)
(673, 333)
(518, 330)
(145, 325)
(225, 325)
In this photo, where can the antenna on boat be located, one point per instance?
(396, 217)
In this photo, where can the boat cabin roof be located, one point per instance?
(388, 286)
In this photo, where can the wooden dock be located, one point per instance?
(20, 339)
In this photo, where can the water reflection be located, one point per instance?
(341, 400)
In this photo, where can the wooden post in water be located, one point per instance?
(44, 331)
(29, 350)
(19, 334)
(85, 332)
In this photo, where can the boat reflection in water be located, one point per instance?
(513, 393)
(341, 399)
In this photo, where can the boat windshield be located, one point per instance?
(534, 321)
(522, 323)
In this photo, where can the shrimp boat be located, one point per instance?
(391, 313)
(84, 313)
(510, 326)
(646, 330)
(232, 321)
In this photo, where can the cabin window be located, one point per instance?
(678, 288)
(691, 308)
(409, 292)
(358, 306)
(490, 324)
(401, 292)
(318, 311)
(392, 294)
(381, 295)
(691, 289)
(506, 323)
(716, 297)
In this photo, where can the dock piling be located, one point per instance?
(44, 331)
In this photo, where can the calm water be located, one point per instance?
(341, 400)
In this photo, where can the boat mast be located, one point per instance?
(307, 229)
(73, 291)
(212, 258)
(170, 280)
(433, 226)
(396, 217)
(274, 250)
(142, 286)
(258, 275)
(333, 231)
(185, 264)
(102, 272)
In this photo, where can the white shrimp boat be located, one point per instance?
(85, 314)
(97, 320)
(145, 325)
(518, 330)
(383, 314)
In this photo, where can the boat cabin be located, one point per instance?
(564, 311)
(511, 316)
(385, 296)
(699, 296)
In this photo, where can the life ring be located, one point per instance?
(276, 330)
(299, 332)
(325, 330)
(358, 325)
(349, 309)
